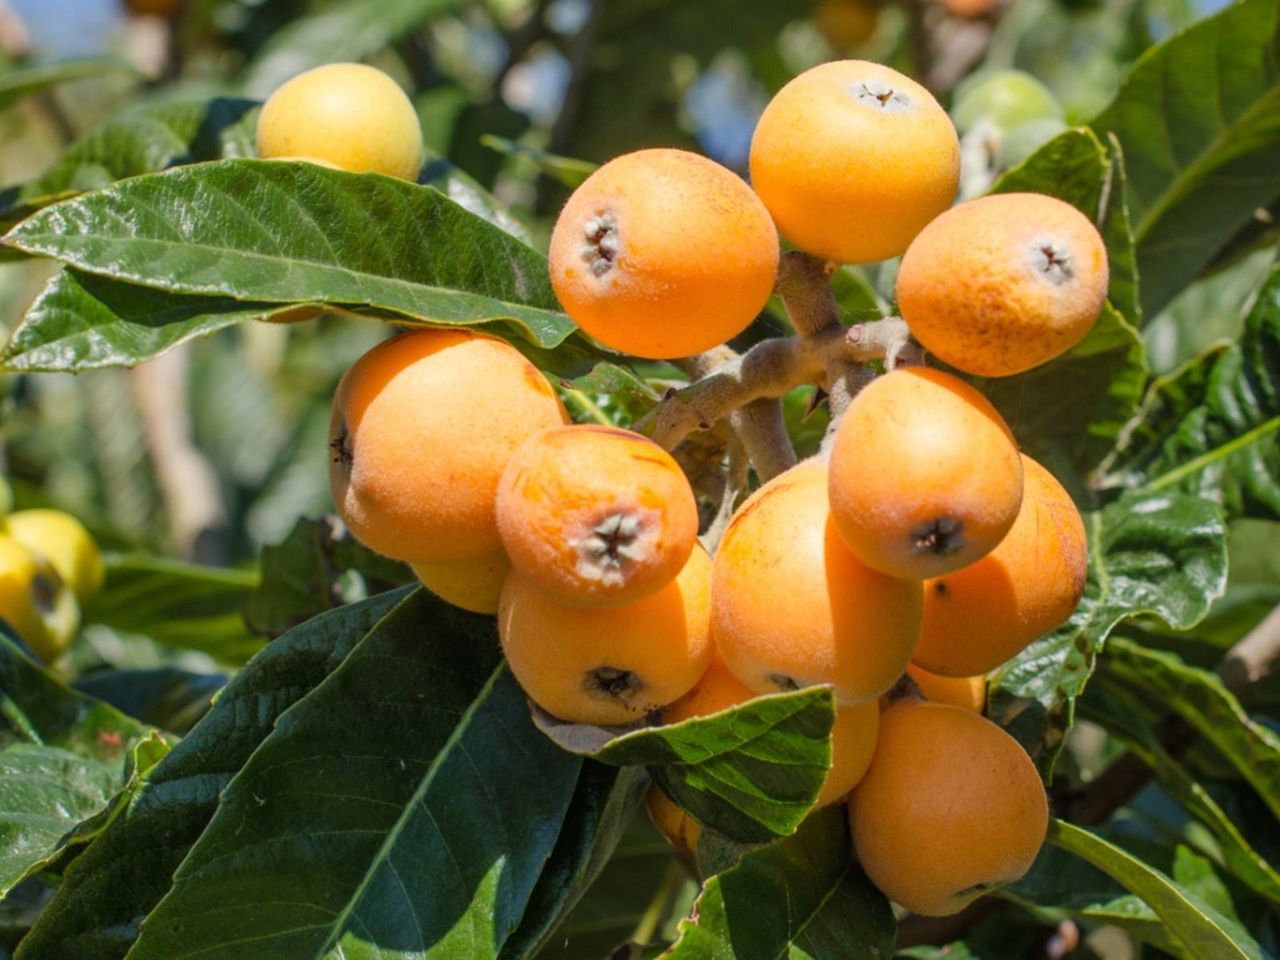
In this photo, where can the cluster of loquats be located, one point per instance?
(49, 567)
(920, 543)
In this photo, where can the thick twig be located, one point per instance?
(763, 430)
(803, 284)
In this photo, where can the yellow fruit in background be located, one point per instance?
(853, 159)
(1003, 283)
(663, 254)
(925, 475)
(846, 24)
(62, 540)
(792, 606)
(967, 692)
(349, 114)
(951, 808)
(474, 583)
(609, 665)
(35, 602)
(978, 617)
(674, 823)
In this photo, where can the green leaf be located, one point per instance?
(317, 567)
(1199, 697)
(1198, 118)
(566, 171)
(415, 761)
(751, 772)
(123, 874)
(1199, 928)
(23, 81)
(178, 604)
(1149, 553)
(1117, 711)
(349, 31)
(82, 322)
(299, 233)
(170, 698)
(1212, 428)
(63, 756)
(467, 193)
(800, 897)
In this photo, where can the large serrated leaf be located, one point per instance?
(1212, 428)
(23, 81)
(179, 604)
(1202, 930)
(751, 772)
(407, 806)
(299, 233)
(1116, 710)
(124, 873)
(1198, 119)
(802, 897)
(1200, 698)
(1158, 553)
(63, 756)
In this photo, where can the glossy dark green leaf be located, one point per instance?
(23, 81)
(1212, 428)
(1199, 928)
(82, 322)
(1199, 697)
(299, 233)
(170, 698)
(750, 772)
(178, 604)
(1159, 553)
(1198, 118)
(317, 567)
(802, 897)
(346, 31)
(123, 874)
(407, 805)
(467, 193)
(1114, 708)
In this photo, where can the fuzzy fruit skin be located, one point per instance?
(674, 823)
(662, 641)
(853, 735)
(596, 516)
(846, 175)
(1003, 283)
(35, 602)
(62, 540)
(951, 803)
(967, 692)
(925, 476)
(423, 426)
(978, 617)
(474, 583)
(791, 606)
(351, 115)
(693, 260)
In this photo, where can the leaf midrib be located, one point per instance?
(1220, 452)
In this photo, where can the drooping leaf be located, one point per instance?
(317, 567)
(170, 698)
(1198, 119)
(83, 322)
(751, 772)
(123, 874)
(1115, 710)
(802, 897)
(178, 604)
(1149, 553)
(299, 233)
(1212, 428)
(23, 81)
(566, 171)
(1199, 697)
(1198, 927)
(416, 760)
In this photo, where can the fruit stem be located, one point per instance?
(803, 284)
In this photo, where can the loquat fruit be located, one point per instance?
(64, 542)
(967, 692)
(35, 602)
(472, 583)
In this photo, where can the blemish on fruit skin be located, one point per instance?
(783, 682)
(341, 446)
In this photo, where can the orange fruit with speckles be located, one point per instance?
(472, 583)
(925, 476)
(594, 515)
(609, 665)
(422, 427)
(980, 616)
(1004, 283)
(663, 253)
(853, 159)
(967, 692)
(941, 771)
(792, 606)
